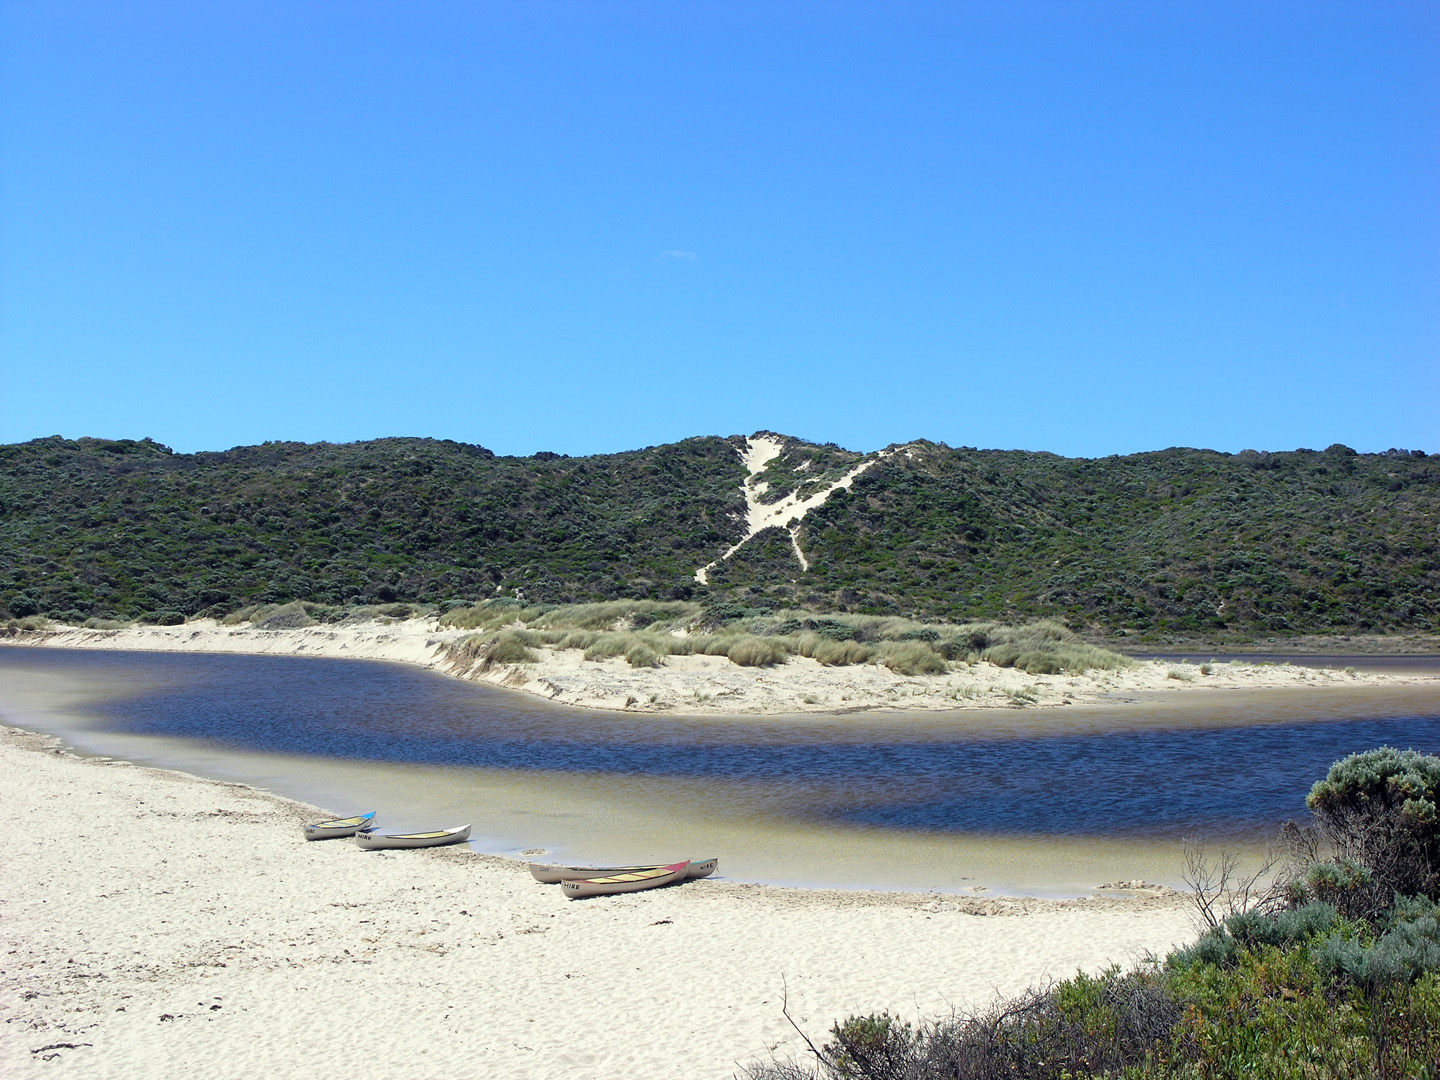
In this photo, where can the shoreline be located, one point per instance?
(712, 685)
(207, 937)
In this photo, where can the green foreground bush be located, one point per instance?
(1291, 989)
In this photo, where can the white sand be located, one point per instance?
(171, 926)
(712, 684)
(785, 513)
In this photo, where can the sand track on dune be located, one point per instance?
(787, 513)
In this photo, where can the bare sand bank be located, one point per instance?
(161, 925)
(714, 685)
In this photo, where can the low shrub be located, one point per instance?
(162, 618)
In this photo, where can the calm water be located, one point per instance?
(1232, 767)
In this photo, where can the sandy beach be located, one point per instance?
(162, 925)
(712, 684)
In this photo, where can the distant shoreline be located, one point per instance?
(712, 685)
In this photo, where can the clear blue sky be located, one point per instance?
(1089, 228)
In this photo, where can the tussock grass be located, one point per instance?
(758, 652)
(680, 628)
(485, 651)
(615, 614)
(607, 645)
(912, 658)
(841, 653)
(640, 654)
(106, 624)
(509, 648)
(487, 615)
(287, 617)
(29, 622)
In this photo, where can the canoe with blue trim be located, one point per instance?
(625, 883)
(345, 826)
(371, 840)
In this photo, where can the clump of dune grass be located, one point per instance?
(840, 653)
(286, 617)
(670, 628)
(757, 652)
(28, 622)
(615, 614)
(640, 655)
(105, 624)
(912, 658)
(486, 651)
(509, 648)
(1044, 648)
(245, 614)
(486, 615)
(607, 645)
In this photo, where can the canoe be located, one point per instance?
(553, 875)
(623, 883)
(345, 826)
(548, 874)
(370, 839)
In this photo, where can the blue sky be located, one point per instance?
(1089, 228)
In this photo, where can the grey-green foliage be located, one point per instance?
(1406, 950)
(1378, 812)
(1250, 929)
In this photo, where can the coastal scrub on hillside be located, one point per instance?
(1178, 541)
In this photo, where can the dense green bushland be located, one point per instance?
(646, 631)
(1284, 986)
(1178, 541)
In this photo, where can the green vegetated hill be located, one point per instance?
(1179, 540)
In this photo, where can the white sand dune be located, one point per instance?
(159, 925)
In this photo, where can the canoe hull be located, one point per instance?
(339, 827)
(626, 883)
(373, 841)
(548, 874)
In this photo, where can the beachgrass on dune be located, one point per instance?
(645, 632)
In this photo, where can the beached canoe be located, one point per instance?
(345, 826)
(369, 838)
(549, 874)
(623, 883)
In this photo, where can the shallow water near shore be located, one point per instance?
(1046, 802)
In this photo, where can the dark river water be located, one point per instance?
(1157, 775)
